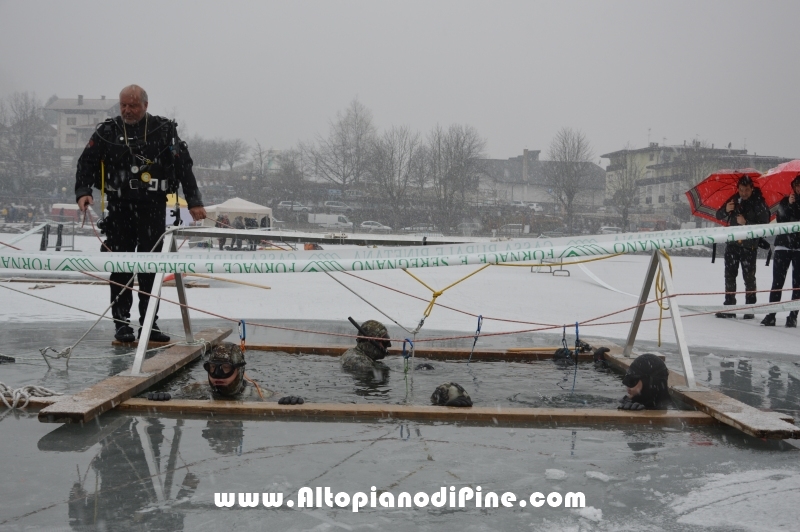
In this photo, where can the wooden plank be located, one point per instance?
(107, 394)
(433, 353)
(750, 420)
(150, 345)
(344, 412)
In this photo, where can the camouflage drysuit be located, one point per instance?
(365, 355)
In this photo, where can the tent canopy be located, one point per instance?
(236, 207)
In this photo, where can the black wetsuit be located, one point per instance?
(142, 163)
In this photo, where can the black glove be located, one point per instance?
(158, 396)
(423, 366)
(460, 401)
(627, 404)
(599, 354)
(291, 400)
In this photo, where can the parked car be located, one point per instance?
(420, 228)
(374, 227)
(293, 206)
(608, 230)
(535, 207)
(354, 194)
(518, 205)
(511, 229)
(338, 206)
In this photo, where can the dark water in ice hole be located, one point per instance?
(761, 380)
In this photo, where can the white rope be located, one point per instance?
(601, 282)
(16, 396)
(754, 308)
(368, 303)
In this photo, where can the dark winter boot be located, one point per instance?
(124, 333)
(155, 335)
(768, 321)
(791, 319)
(729, 300)
(749, 317)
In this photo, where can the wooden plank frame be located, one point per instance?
(107, 394)
(750, 420)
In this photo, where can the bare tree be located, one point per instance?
(234, 151)
(696, 161)
(623, 185)
(288, 181)
(342, 157)
(394, 166)
(27, 143)
(208, 153)
(569, 170)
(454, 167)
(262, 159)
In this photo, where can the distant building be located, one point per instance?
(522, 178)
(77, 118)
(669, 171)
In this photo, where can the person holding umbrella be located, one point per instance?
(787, 252)
(747, 206)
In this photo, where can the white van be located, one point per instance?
(330, 221)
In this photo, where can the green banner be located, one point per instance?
(521, 250)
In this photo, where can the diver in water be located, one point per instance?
(646, 381)
(450, 394)
(371, 347)
(227, 380)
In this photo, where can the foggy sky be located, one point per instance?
(517, 71)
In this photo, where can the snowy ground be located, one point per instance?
(498, 292)
(157, 473)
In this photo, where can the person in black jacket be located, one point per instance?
(787, 252)
(142, 160)
(746, 207)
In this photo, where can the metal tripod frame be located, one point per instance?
(658, 260)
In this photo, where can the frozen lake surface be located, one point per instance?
(146, 473)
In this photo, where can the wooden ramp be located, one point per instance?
(343, 412)
(107, 394)
(750, 420)
(514, 354)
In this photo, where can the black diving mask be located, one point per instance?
(222, 370)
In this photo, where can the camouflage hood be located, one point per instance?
(374, 329)
(228, 353)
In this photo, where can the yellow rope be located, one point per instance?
(437, 293)
(660, 290)
(558, 263)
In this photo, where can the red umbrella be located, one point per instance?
(777, 183)
(709, 195)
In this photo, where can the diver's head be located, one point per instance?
(374, 329)
(646, 376)
(225, 367)
(132, 104)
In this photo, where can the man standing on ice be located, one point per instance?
(745, 207)
(135, 159)
(787, 252)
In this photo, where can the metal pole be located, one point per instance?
(644, 294)
(181, 287)
(149, 317)
(677, 324)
